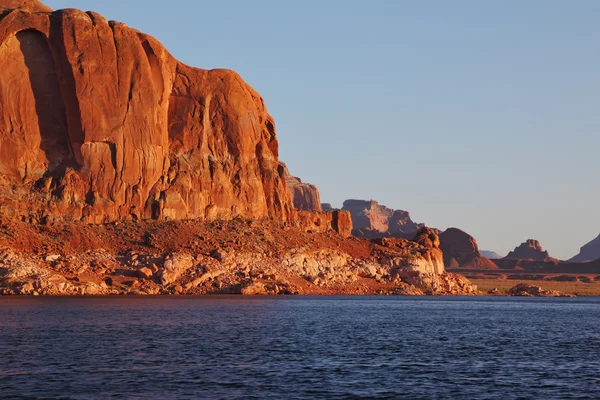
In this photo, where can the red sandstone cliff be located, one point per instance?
(98, 122)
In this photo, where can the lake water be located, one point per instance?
(299, 348)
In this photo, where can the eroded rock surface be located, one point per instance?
(98, 122)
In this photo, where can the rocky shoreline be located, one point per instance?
(190, 257)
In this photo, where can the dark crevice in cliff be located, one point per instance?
(66, 86)
(52, 120)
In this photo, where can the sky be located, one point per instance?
(481, 115)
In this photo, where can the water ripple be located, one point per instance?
(299, 348)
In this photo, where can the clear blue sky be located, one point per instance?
(483, 115)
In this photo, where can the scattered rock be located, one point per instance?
(52, 258)
(523, 289)
(144, 273)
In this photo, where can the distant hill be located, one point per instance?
(589, 252)
(492, 255)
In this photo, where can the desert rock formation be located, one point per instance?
(589, 252)
(98, 122)
(529, 250)
(372, 220)
(304, 195)
(460, 250)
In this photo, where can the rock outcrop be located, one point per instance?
(530, 250)
(372, 220)
(461, 251)
(589, 252)
(523, 289)
(338, 221)
(98, 122)
(304, 195)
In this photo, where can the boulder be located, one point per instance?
(144, 273)
(254, 289)
(460, 250)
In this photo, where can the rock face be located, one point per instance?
(589, 252)
(372, 220)
(339, 221)
(29, 5)
(98, 122)
(461, 250)
(304, 195)
(529, 250)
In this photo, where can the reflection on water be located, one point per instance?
(298, 347)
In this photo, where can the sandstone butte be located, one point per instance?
(461, 251)
(530, 250)
(98, 122)
(112, 152)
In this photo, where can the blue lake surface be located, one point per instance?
(299, 348)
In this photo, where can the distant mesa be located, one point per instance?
(589, 252)
(530, 250)
(372, 220)
(461, 251)
(492, 255)
(304, 195)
